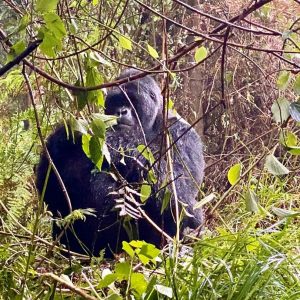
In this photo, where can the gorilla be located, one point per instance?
(138, 105)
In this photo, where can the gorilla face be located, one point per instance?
(120, 108)
(144, 95)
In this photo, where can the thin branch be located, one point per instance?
(31, 47)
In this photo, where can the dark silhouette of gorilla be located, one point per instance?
(139, 107)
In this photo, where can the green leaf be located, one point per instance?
(55, 24)
(99, 128)
(274, 166)
(295, 111)
(283, 80)
(297, 85)
(46, 5)
(294, 150)
(234, 173)
(251, 201)
(138, 283)
(288, 139)
(19, 47)
(128, 249)
(24, 22)
(81, 97)
(137, 244)
(145, 191)
(123, 270)
(146, 152)
(147, 253)
(94, 78)
(152, 52)
(48, 44)
(200, 54)
(85, 140)
(96, 153)
(52, 34)
(166, 200)
(107, 280)
(280, 110)
(164, 290)
(125, 42)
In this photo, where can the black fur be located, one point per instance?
(89, 188)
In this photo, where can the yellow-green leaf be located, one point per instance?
(152, 51)
(200, 54)
(46, 5)
(234, 174)
(145, 191)
(125, 42)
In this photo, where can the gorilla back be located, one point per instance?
(138, 106)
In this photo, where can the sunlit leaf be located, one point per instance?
(288, 139)
(138, 283)
(122, 270)
(107, 280)
(274, 166)
(234, 174)
(152, 51)
(128, 249)
(46, 5)
(145, 191)
(146, 152)
(200, 54)
(125, 42)
(55, 24)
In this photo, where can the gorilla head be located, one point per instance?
(140, 99)
(138, 106)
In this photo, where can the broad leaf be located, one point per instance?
(200, 54)
(164, 290)
(46, 5)
(152, 52)
(99, 128)
(138, 283)
(288, 139)
(234, 174)
(145, 191)
(280, 110)
(283, 80)
(125, 42)
(274, 166)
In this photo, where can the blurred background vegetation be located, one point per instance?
(231, 68)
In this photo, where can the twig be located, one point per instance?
(70, 285)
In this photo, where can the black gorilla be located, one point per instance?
(138, 105)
